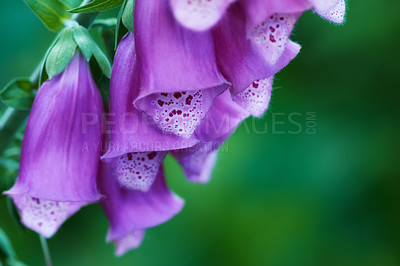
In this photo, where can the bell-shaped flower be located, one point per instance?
(131, 212)
(251, 38)
(171, 72)
(60, 150)
(178, 69)
(199, 15)
(254, 55)
(136, 146)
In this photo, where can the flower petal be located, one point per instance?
(335, 14)
(223, 118)
(131, 210)
(271, 36)
(138, 170)
(258, 11)
(44, 216)
(255, 99)
(243, 63)
(199, 161)
(60, 151)
(199, 15)
(178, 113)
(173, 60)
(129, 129)
(128, 242)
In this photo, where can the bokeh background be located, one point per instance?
(316, 181)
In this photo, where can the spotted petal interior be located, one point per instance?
(198, 167)
(128, 242)
(272, 35)
(255, 99)
(179, 113)
(336, 14)
(199, 15)
(45, 216)
(138, 170)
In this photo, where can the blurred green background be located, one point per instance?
(280, 195)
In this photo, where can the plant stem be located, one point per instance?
(12, 119)
(46, 251)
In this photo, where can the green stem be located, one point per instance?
(12, 119)
(46, 251)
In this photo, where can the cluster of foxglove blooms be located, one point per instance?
(190, 73)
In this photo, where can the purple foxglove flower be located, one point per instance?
(179, 74)
(136, 146)
(200, 15)
(254, 56)
(60, 154)
(175, 80)
(131, 212)
(252, 38)
(223, 118)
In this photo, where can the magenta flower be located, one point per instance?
(131, 212)
(201, 15)
(187, 77)
(251, 39)
(136, 147)
(166, 80)
(59, 159)
(178, 69)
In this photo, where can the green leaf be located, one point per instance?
(84, 42)
(97, 6)
(127, 15)
(18, 94)
(6, 249)
(103, 62)
(51, 12)
(89, 47)
(109, 22)
(103, 33)
(61, 54)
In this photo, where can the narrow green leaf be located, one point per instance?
(109, 22)
(6, 248)
(102, 60)
(51, 12)
(103, 33)
(127, 15)
(117, 27)
(89, 47)
(43, 63)
(84, 42)
(18, 94)
(97, 6)
(61, 54)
